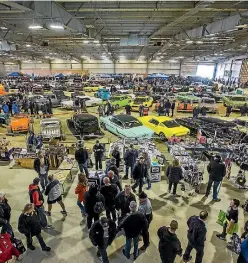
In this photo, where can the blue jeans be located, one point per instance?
(83, 167)
(127, 169)
(215, 190)
(42, 216)
(128, 246)
(82, 208)
(43, 180)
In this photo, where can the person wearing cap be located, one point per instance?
(139, 174)
(82, 157)
(98, 150)
(5, 214)
(130, 157)
(109, 191)
(217, 171)
(133, 224)
(196, 237)
(169, 244)
(37, 199)
(102, 234)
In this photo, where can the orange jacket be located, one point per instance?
(80, 191)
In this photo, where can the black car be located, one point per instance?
(218, 98)
(84, 126)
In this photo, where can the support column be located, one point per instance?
(180, 68)
(20, 65)
(147, 67)
(215, 70)
(114, 62)
(50, 66)
(230, 74)
(82, 64)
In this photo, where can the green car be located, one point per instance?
(184, 96)
(236, 101)
(120, 101)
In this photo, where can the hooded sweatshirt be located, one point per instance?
(36, 196)
(169, 245)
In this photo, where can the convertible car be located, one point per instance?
(163, 126)
(125, 126)
(146, 101)
(89, 101)
(120, 101)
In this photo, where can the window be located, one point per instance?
(171, 124)
(153, 121)
(117, 122)
(205, 71)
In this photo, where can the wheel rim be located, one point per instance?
(162, 136)
(117, 107)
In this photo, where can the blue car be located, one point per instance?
(125, 126)
(103, 94)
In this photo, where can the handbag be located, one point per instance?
(221, 218)
(19, 245)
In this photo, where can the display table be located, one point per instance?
(96, 177)
(67, 165)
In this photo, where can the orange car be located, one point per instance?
(2, 90)
(185, 106)
(20, 123)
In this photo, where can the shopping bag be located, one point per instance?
(233, 229)
(221, 218)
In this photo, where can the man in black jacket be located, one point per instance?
(169, 244)
(98, 150)
(173, 105)
(102, 234)
(133, 224)
(109, 191)
(196, 236)
(139, 173)
(5, 213)
(81, 156)
(217, 171)
(167, 107)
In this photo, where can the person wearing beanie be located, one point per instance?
(169, 244)
(82, 158)
(37, 199)
(98, 150)
(133, 224)
(102, 234)
(117, 156)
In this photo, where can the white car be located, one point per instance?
(89, 101)
(125, 92)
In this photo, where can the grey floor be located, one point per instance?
(70, 243)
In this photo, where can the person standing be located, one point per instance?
(169, 245)
(109, 192)
(148, 164)
(174, 174)
(167, 107)
(29, 225)
(54, 195)
(100, 110)
(102, 234)
(243, 256)
(98, 150)
(114, 179)
(196, 236)
(217, 171)
(130, 159)
(133, 224)
(196, 112)
(5, 214)
(228, 110)
(80, 191)
(50, 106)
(117, 155)
(232, 217)
(108, 108)
(37, 199)
(82, 158)
(204, 111)
(123, 200)
(141, 110)
(94, 204)
(173, 105)
(112, 167)
(128, 109)
(41, 166)
(139, 174)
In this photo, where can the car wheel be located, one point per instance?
(93, 105)
(117, 106)
(63, 137)
(162, 136)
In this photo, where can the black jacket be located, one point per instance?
(109, 192)
(117, 156)
(173, 104)
(134, 224)
(169, 245)
(91, 198)
(5, 212)
(167, 105)
(122, 202)
(96, 233)
(29, 224)
(81, 155)
(216, 170)
(139, 171)
(98, 150)
(113, 168)
(197, 231)
(37, 164)
(174, 174)
(130, 157)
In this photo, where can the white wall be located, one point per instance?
(226, 66)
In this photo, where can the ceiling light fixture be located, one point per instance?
(86, 41)
(181, 57)
(199, 42)
(35, 27)
(56, 26)
(3, 28)
(28, 45)
(173, 61)
(189, 42)
(95, 41)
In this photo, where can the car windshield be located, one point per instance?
(114, 98)
(208, 101)
(171, 124)
(139, 100)
(132, 124)
(238, 98)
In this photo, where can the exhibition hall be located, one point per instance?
(123, 131)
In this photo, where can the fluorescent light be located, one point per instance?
(173, 61)
(96, 41)
(98, 44)
(199, 42)
(56, 26)
(28, 45)
(35, 27)
(181, 57)
(86, 41)
(3, 28)
(47, 57)
(189, 42)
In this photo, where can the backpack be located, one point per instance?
(99, 206)
(235, 244)
(6, 248)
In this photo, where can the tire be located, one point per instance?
(63, 137)
(162, 136)
(93, 105)
(117, 106)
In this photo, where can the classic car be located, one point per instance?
(185, 105)
(89, 101)
(188, 96)
(92, 88)
(209, 104)
(84, 126)
(4, 118)
(124, 92)
(119, 101)
(163, 126)
(2, 90)
(37, 90)
(20, 123)
(51, 128)
(103, 94)
(179, 88)
(77, 93)
(125, 126)
(217, 97)
(236, 101)
(146, 101)
(75, 86)
(60, 95)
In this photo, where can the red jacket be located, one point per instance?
(35, 195)
(80, 191)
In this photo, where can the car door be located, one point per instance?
(153, 124)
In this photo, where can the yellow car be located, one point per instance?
(146, 101)
(163, 126)
(92, 88)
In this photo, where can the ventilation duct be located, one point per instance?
(6, 46)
